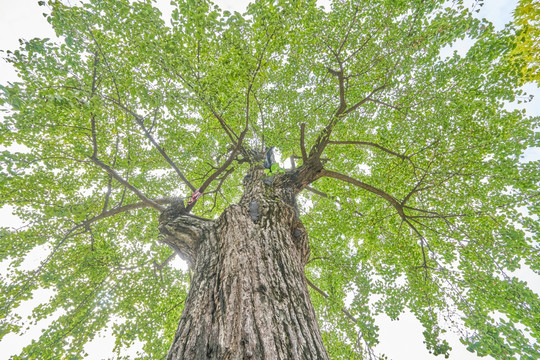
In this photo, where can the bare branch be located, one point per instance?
(315, 191)
(293, 164)
(160, 267)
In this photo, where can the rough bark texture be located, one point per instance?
(248, 297)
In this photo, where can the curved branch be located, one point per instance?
(393, 201)
(369, 143)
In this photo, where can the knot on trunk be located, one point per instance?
(183, 232)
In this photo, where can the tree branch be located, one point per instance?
(341, 83)
(326, 296)
(369, 143)
(121, 180)
(372, 189)
(326, 196)
(385, 104)
(223, 167)
(324, 136)
(238, 146)
(140, 121)
(121, 209)
(114, 174)
(302, 143)
(364, 100)
(136, 116)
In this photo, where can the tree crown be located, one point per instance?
(416, 206)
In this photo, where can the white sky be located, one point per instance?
(399, 340)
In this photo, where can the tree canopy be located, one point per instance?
(424, 206)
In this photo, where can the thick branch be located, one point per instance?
(298, 178)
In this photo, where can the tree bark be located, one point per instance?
(248, 297)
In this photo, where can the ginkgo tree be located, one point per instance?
(401, 187)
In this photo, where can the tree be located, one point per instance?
(142, 141)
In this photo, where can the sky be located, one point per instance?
(399, 340)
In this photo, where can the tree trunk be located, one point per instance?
(248, 297)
